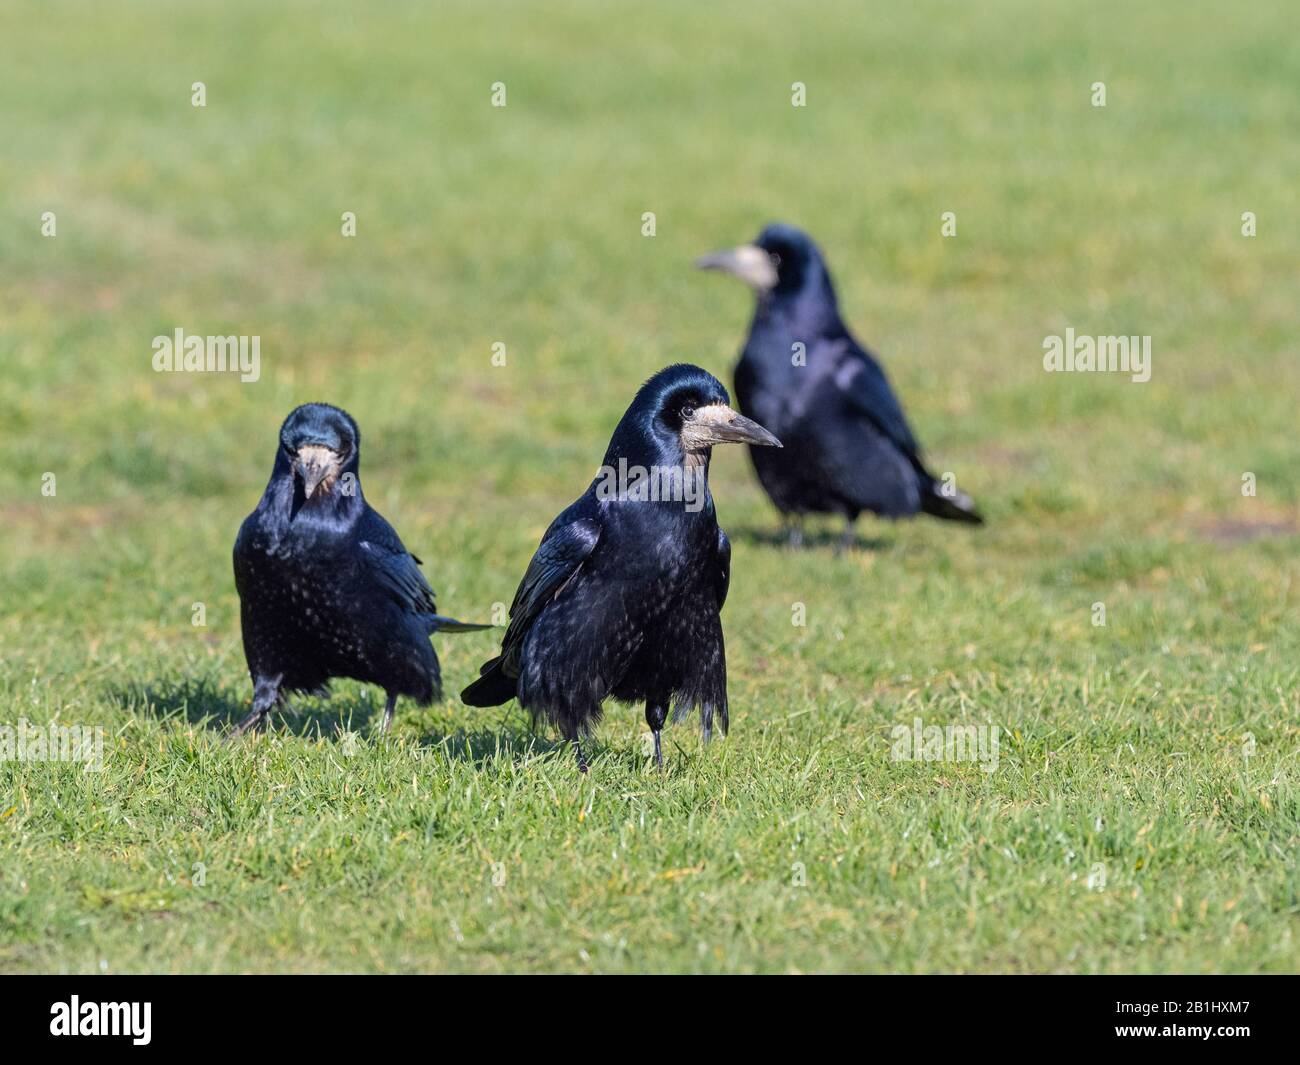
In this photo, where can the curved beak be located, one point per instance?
(719, 424)
(748, 262)
(315, 464)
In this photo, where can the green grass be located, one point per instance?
(464, 842)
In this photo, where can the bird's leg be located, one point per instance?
(388, 712)
(266, 693)
(849, 537)
(570, 731)
(656, 713)
(794, 532)
(250, 721)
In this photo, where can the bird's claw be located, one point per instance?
(249, 723)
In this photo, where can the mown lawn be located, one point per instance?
(1144, 812)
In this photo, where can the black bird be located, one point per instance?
(848, 447)
(326, 588)
(623, 595)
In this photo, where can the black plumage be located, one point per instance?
(622, 598)
(326, 587)
(848, 445)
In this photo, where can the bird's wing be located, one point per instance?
(863, 383)
(243, 549)
(394, 568)
(559, 556)
(567, 544)
(723, 559)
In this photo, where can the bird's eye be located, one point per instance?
(776, 259)
(688, 412)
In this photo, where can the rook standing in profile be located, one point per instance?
(848, 447)
(623, 596)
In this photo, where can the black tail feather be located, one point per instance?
(944, 501)
(491, 689)
(442, 623)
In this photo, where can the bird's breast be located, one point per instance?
(657, 549)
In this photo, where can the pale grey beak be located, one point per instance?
(719, 424)
(749, 262)
(742, 430)
(316, 464)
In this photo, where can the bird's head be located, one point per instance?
(782, 260)
(319, 443)
(678, 415)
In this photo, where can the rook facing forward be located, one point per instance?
(326, 588)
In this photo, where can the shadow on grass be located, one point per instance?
(201, 702)
(519, 743)
(517, 740)
(815, 538)
(480, 745)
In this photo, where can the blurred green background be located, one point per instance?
(522, 225)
